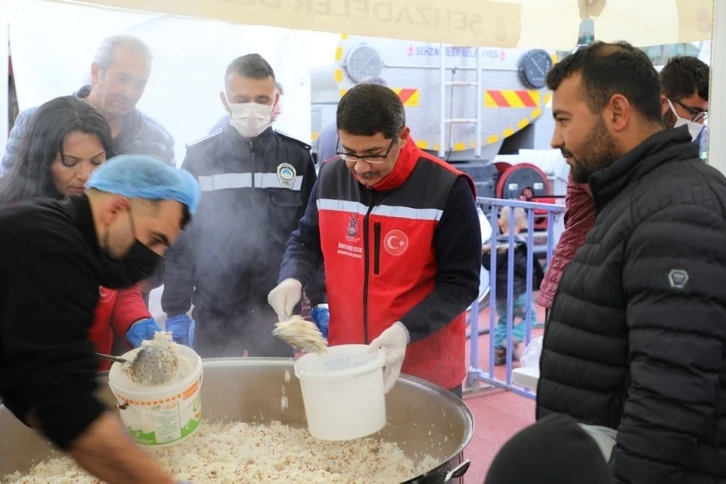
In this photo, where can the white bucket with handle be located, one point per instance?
(343, 392)
(158, 416)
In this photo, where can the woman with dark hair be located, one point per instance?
(66, 140)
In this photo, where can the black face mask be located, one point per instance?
(138, 264)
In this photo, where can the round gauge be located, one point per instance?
(533, 68)
(363, 62)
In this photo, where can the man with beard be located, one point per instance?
(635, 346)
(53, 257)
(119, 73)
(684, 101)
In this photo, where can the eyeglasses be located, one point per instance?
(372, 159)
(697, 115)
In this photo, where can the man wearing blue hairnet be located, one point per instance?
(53, 257)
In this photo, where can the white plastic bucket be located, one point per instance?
(157, 416)
(343, 392)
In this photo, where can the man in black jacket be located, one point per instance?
(634, 347)
(120, 70)
(256, 184)
(54, 255)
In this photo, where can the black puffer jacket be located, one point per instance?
(636, 335)
(229, 258)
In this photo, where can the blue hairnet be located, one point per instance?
(141, 176)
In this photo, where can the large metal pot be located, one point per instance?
(422, 418)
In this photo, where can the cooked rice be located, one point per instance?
(243, 453)
(301, 334)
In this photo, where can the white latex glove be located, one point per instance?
(393, 342)
(285, 297)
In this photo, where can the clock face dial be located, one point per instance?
(363, 62)
(533, 68)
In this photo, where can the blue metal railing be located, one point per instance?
(475, 373)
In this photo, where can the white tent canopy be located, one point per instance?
(488, 23)
(552, 24)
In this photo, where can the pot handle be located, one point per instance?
(457, 471)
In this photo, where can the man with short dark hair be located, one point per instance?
(634, 348)
(120, 70)
(54, 255)
(684, 101)
(325, 145)
(398, 233)
(256, 183)
(684, 98)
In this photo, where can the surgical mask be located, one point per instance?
(693, 127)
(250, 119)
(138, 264)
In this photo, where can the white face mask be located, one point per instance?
(250, 119)
(693, 127)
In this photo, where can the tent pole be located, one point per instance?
(4, 84)
(717, 96)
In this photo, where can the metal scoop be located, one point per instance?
(151, 366)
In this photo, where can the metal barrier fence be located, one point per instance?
(553, 214)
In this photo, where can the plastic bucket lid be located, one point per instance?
(339, 363)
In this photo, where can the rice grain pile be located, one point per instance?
(302, 334)
(240, 453)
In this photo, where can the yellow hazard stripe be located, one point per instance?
(511, 98)
(513, 101)
(410, 97)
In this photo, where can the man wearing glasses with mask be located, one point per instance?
(684, 96)
(256, 184)
(398, 234)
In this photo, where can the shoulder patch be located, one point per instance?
(290, 138)
(678, 278)
(202, 141)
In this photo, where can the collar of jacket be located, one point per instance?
(78, 207)
(132, 121)
(405, 164)
(231, 133)
(662, 147)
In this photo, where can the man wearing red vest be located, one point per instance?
(398, 233)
